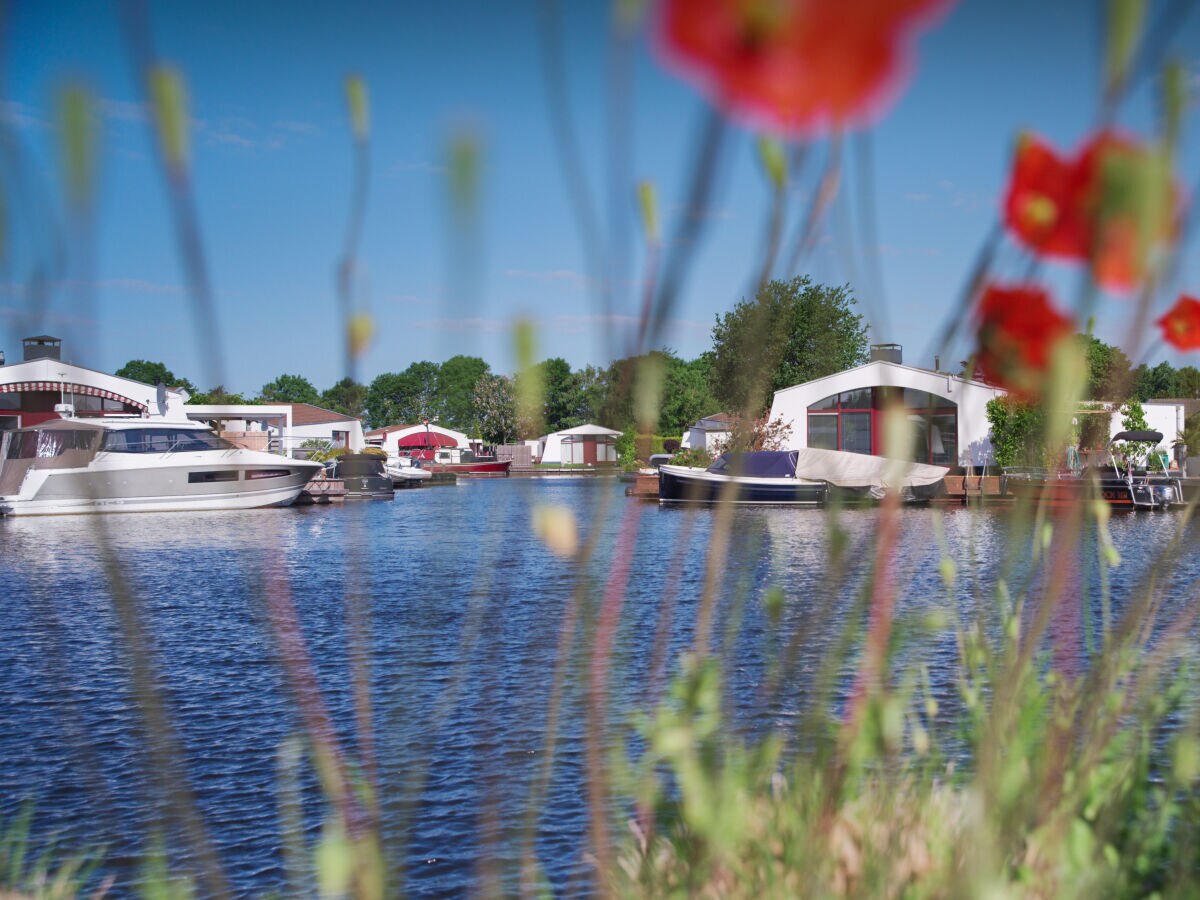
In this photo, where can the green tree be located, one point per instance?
(1153, 382)
(496, 408)
(1110, 374)
(687, 394)
(1017, 430)
(792, 332)
(403, 397)
(1133, 418)
(564, 397)
(1092, 423)
(289, 389)
(455, 387)
(595, 388)
(347, 397)
(1187, 382)
(218, 395)
(148, 372)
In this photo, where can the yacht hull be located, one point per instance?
(681, 484)
(167, 489)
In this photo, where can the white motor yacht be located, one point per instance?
(406, 472)
(94, 465)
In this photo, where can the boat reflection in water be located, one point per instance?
(139, 465)
(808, 476)
(1126, 489)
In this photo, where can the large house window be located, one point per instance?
(853, 421)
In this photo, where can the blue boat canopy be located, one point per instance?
(758, 464)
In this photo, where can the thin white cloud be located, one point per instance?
(713, 214)
(412, 300)
(20, 116)
(464, 325)
(568, 276)
(404, 166)
(138, 286)
(579, 324)
(123, 111)
(233, 139)
(295, 127)
(126, 285)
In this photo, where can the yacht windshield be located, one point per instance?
(162, 440)
(49, 443)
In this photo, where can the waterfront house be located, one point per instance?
(287, 428)
(708, 433)
(844, 411)
(586, 445)
(404, 439)
(30, 389)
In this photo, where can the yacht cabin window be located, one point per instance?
(46, 444)
(162, 440)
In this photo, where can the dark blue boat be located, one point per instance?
(806, 477)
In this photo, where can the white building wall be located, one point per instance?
(57, 371)
(550, 449)
(391, 441)
(323, 431)
(1164, 417)
(554, 450)
(970, 397)
(700, 437)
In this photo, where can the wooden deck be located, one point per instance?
(325, 490)
(972, 489)
(960, 489)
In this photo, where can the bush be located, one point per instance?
(1093, 426)
(1017, 433)
(697, 457)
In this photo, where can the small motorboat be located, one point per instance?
(457, 461)
(364, 477)
(808, 476)
(1126, 488)
(405, 471)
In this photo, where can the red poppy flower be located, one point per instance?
(1181, 324)
(797, 66)
(1018, 329)
(1046, 206)
(1105, 206)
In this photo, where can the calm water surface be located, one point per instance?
(465, 612)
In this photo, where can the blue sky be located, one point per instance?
(272, 169)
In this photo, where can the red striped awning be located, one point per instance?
(21, 387)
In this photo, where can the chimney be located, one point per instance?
(42, 346)
(892, 353)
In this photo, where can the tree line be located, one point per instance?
(791, 332)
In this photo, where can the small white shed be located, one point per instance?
(586, 445)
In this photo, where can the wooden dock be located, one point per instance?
(322, 491)
(960, 489)
(644, 488)
(964, 489)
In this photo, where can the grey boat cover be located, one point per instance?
(837, 467)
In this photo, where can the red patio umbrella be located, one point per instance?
(426, 439)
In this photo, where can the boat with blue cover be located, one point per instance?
(807, 476)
